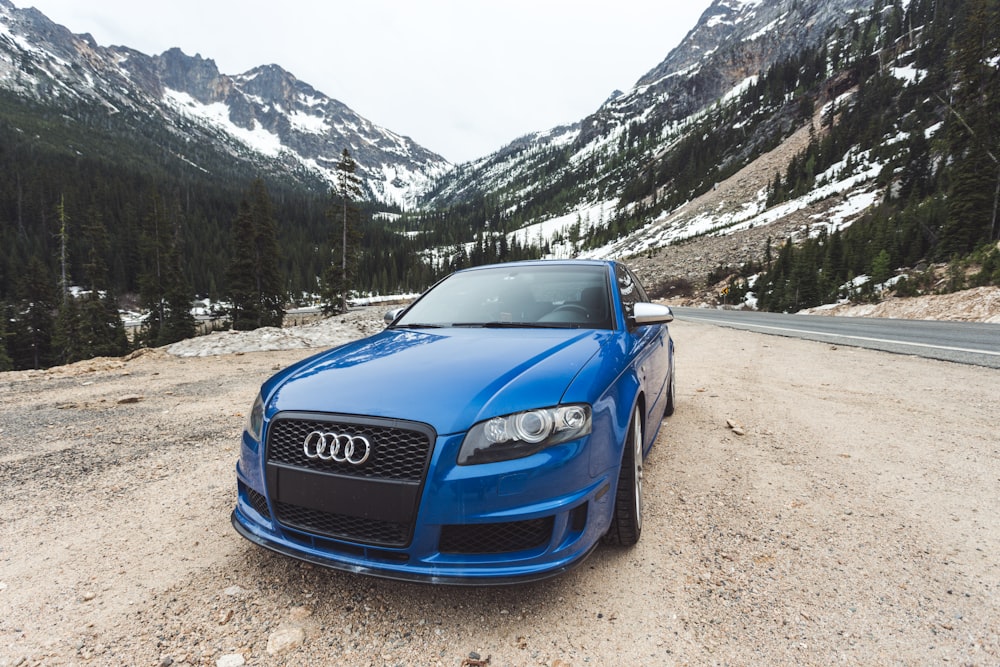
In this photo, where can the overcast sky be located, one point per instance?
(460, 77)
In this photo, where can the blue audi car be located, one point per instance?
(493, 433)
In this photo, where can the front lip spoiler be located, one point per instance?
(412, 577)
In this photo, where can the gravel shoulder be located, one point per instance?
(805, 505)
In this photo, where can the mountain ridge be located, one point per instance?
(267, 109)
(861, 84)
(730, 43)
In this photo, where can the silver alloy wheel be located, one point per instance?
(673, 391)
(673, 385)
(637, 464)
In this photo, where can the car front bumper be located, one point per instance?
(497, 523)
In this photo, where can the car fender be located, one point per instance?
(612, 388)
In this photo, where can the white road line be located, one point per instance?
(835, 335)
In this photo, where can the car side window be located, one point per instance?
(629, 289)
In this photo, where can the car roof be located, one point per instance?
(537, 262)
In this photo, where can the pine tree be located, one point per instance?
(32, 330)
(915, 175)
(178, 323)
(100, 329)
(270, 284)
(881, 267)
(152, 248)
(67, 337)
(244, 307)
(974, 132)
(164, 289)
(63, 245)
(6, 363)
(65, 334)
(341, 274)
(256, 289)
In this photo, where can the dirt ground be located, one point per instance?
(854, 521)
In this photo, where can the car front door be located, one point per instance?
(651, 360)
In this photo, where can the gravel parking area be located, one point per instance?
(805, 505)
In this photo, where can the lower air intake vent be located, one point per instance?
(371, 531)
(491, 538)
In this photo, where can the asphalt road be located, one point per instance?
(973, 343)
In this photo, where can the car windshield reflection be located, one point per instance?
(542, 296)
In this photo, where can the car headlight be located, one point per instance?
(523, 433)
(255, 420)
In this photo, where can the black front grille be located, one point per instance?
(357, 529)
(489, 538)
(400, 450)
(374, 503)
(257, 501)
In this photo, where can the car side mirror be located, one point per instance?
(391, 315)
(650, 313)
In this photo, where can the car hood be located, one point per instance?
(449, 379)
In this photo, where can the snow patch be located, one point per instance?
(308, 123)
(217, 114)
(910, 75)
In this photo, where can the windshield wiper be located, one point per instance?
(526, 325)
(492, 325)
(509, 325)
(418, 325)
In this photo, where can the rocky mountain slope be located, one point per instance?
(568, 185)
(605, 176)
(265, 116)
(732, 42)
(846, 123)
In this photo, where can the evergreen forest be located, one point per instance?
(98, 211)
(937, 137)
(941, 173)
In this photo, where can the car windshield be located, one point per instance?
(555, 295)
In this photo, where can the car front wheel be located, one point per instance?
(626, 525)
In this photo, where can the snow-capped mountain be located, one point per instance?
(596, 158)
(266, 115)
(733, 41)
(773, 119)
(789, 153)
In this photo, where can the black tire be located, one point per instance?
(626, 524)
(669, 410)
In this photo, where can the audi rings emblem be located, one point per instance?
(338, 447)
